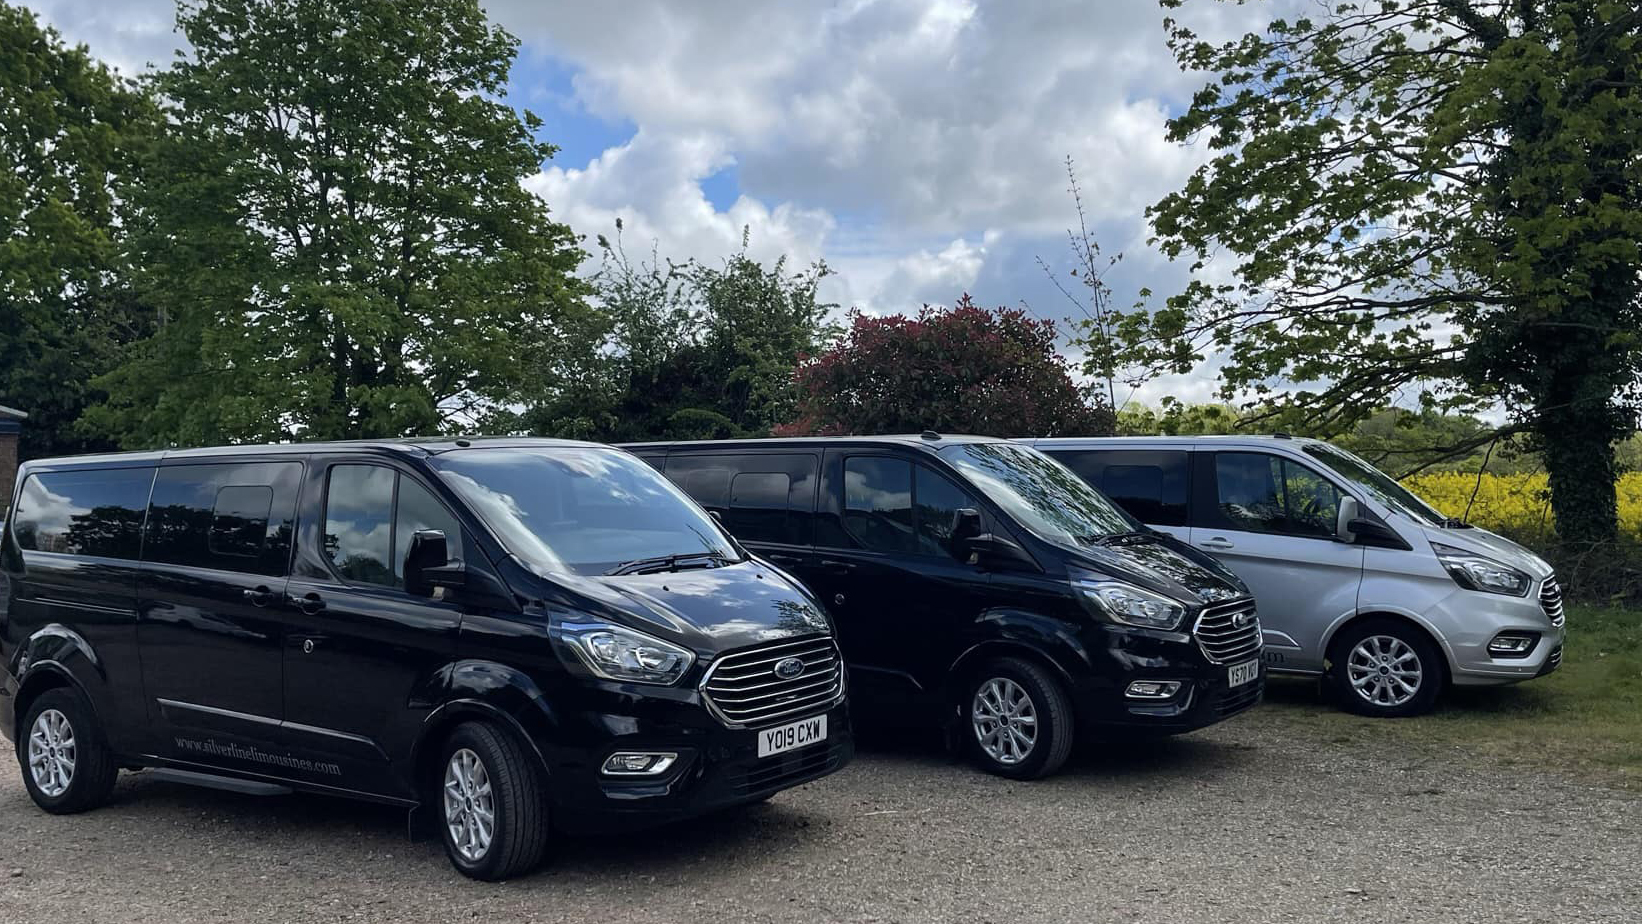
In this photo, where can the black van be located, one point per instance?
(978, 581)
(516, 633)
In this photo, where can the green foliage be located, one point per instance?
(333, 228)
(66, 310)
(691, 351)
(966, 369)
(1441, 199)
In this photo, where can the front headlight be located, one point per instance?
(1474, 572)
(1129, 605)
(619, 653)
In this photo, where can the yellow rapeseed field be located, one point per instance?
(1515, 504)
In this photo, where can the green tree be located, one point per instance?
(334, 228)
(66, 309)
(1431, 197)
(690, 350)
(967, 369)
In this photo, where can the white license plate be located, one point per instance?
(793, 735)
(1247, 672)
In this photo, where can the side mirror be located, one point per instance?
(966, 524)
(992, 551)
(428, 564)
(1344, 519)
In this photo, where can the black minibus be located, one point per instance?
(521, 635)
(981, 585)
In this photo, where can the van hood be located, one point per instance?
(1162, 563)
(711, 610)
(1490, 545)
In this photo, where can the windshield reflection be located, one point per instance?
(1377, 483)
(583, 510)
(1044, 495)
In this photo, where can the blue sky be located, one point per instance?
(917, 146)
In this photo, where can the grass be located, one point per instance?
(1585, 719)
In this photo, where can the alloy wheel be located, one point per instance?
(470, 805)
(52, 752)
(1384, 670)
(1005, 720)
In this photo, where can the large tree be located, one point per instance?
(1431, 198)
(65, 306)
(964, 369)
(692, 350)
(334, 229)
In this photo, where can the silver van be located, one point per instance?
(1356, 578)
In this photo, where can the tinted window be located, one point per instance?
(419, 509)
(1150, 485)
(758, 506)
(936, 502)
(228, 516)
(97, 512)
(878, 503)
(1267, 494)
(761, 497)
(359, 523)
(1038, 492)
(239, 520)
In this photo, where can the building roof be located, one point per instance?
(11, 413)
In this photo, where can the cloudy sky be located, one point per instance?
(918, 146)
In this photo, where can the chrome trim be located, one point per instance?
(1550, 600)
(1229, 643)
(824, 654)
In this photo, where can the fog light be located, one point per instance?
(1153, 689)
(639, 763)
(1512, 644)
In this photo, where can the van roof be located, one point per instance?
(1115, 442)
(928, 440)
(414, 446)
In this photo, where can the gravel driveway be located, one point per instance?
(1235, 824)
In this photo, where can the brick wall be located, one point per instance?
(8, 467)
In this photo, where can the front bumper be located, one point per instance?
(717, 768)
(1469, 620)
(1206, 695)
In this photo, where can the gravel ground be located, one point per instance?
(1238, 823)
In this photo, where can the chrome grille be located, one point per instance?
(742, 688)
(1222, 639)
(1550, 600)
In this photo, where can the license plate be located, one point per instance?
(1247, 672)
(793, 735)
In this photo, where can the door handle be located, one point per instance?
(258, 596)
(1217, 542)
(309, 604)
(835, 566)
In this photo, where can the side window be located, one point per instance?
(371, 513)
(758, 506)
(1149, 484)
(419, 509)
(878, 503)
(936, 504)
(239, 520)
(230, 516)
(89, 512)
(359, 523)
(1267, 494)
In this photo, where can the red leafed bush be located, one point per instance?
(964, 369)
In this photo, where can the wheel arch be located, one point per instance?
(1410, 620)
(484, 691)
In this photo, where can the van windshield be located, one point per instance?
(1042, 494)
(1376, 483)
(584, 510)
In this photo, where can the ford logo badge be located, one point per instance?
(789, 668)
(1242, 619)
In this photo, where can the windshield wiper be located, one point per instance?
(1122, 538)
(672, 563)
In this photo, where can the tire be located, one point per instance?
(503, 778)
(1370, 668)
(1015, 686)
(63, 754)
